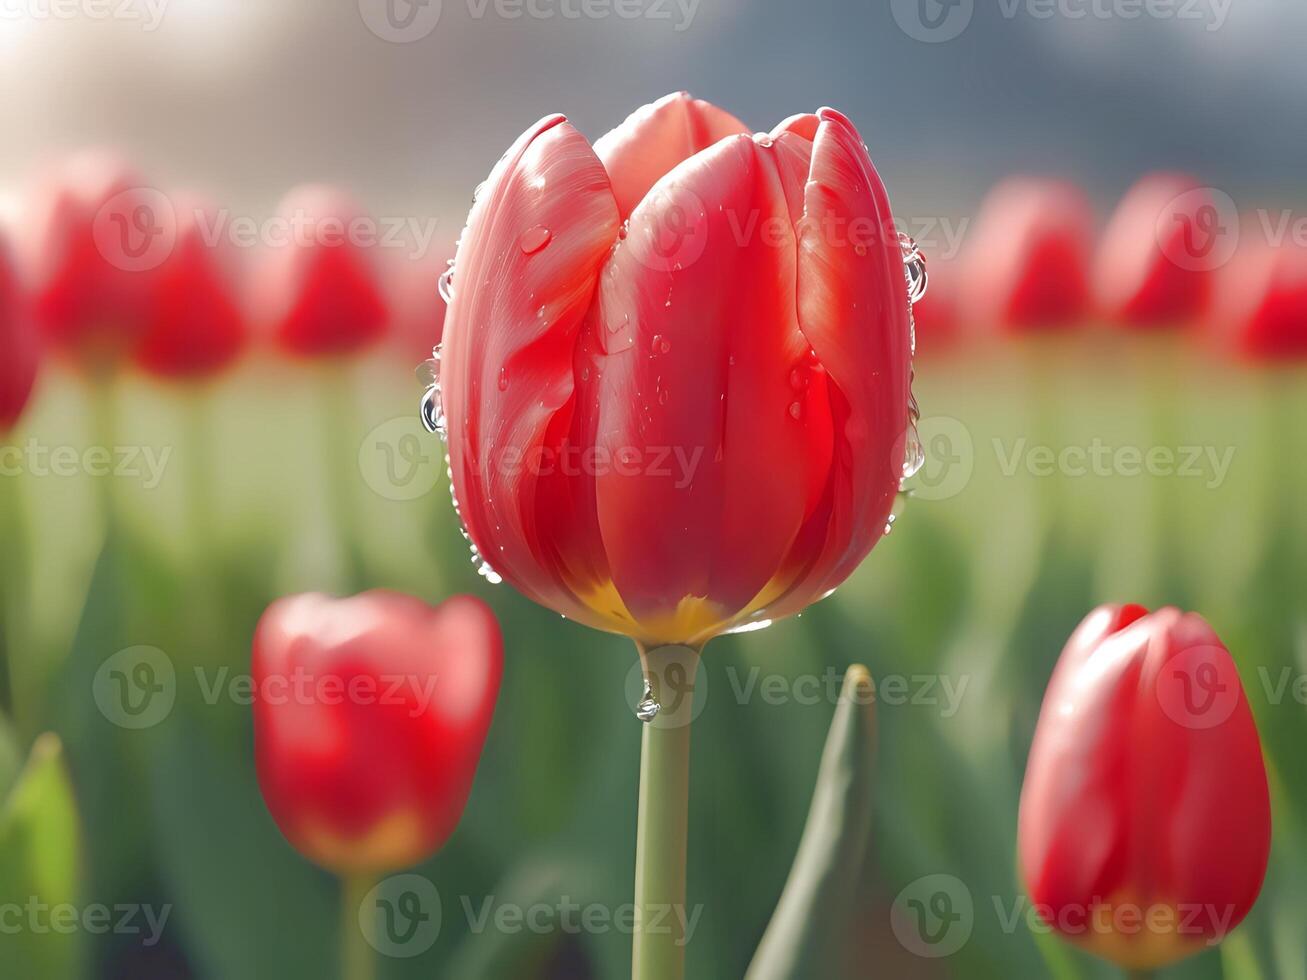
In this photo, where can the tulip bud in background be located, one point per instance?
(1158, 258)
(92, 243)
(1261, 305)
(1145, 820)
(195, 326)
(676, 368)
(18, 344)
(1026, 266)
(319, 288)
(370, 718)
(419, 312)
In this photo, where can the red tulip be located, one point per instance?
(370, 717)
(1160, 252)
(419, 310)
(676, 368)
(1261, 310)
(96, 237)
(195, 326)
(1145, 818)
(1027, 263)
(18, 345)
(320, 289)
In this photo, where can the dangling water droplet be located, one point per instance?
(431, 412)
(445, 285)
(534, 239)
(914, 454)
(503, 379)
(648, 708)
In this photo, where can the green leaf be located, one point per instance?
(807, 935)
(39, 859)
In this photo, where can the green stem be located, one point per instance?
(340, 446)
(660, 851)
(358, 961)
(104, 431)
(199, 472)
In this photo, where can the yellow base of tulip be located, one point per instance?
(397, 841)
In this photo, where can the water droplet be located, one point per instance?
(860, 249)
(432, 414)
(796, 410)
(798, 379)
(914, 455)
(585, 373)
(648, 708)
(753, 627)
(662, 397)
(534, 239)
(428, 372)
(445, 285)
(660, 344)
(503, 379)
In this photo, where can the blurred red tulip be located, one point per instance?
(320, 289)
(1027, 262)
(1158, 257)
(937, 317)
(194, 326)
(1145, 818)
(676, 368)
(96, 236)
(369, 720)
(1261, 306)
(419, 312)
(18, 344)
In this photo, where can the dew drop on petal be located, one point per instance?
(534, 239)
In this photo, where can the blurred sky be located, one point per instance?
(243, 98)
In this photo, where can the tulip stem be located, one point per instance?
(357, 960)
(660, 851)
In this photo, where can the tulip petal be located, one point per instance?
(655, 138)
(853, 310)
(524, 277)
(706, 393)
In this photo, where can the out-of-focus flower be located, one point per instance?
(319, 287)
(419, 312)
(18, 344)
(676, 368)
(91, 244)
(1145, 817)
(194, 326)
(1160, 253)
(1026, 266)
(370, 718)
(1261, 305)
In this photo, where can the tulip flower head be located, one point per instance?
(1145, 819)
(320, 290)
(95, 239)
(195, 326)
(1027, 263)
(676, 368)
(1159, 256)
(1261, 310)
(18, 342)
(370, 718)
